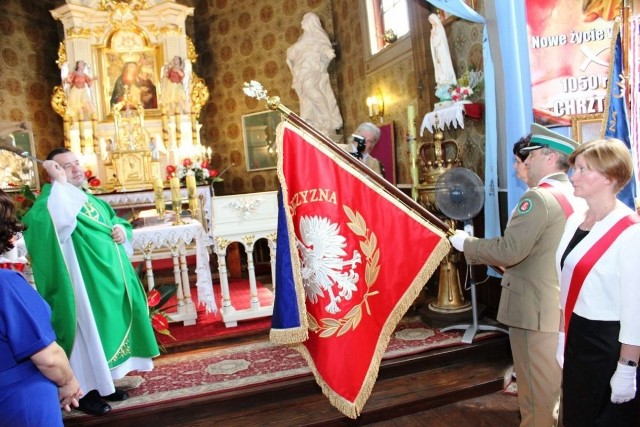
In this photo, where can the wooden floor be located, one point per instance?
(491, 410)
(457, 387)
(446, 387)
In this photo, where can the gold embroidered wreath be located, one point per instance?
(369, 246)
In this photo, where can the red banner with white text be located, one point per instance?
(569, 51)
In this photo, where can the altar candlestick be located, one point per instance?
(174, 184)
(176, 198)
(158, 190)
(192, 194)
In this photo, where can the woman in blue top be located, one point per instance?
(35, 377)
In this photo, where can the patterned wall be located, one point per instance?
(28, 70)
(237, 41)
(241, 41)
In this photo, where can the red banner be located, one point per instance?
(360, 258)
(569, 51)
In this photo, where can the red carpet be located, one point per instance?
(197, 373)
(209, 326)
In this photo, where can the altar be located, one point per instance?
(167, 240)
(129, 97)
(137, 201)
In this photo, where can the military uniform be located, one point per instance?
(529, 302)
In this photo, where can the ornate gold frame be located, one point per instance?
(584, 127)
(259, 134)
(148, 61)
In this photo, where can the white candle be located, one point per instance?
(174, 184)
(411, 121)
(192, 193)
(158, 190)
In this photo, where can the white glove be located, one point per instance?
(457, 240)
(623, 384)
(560, 349)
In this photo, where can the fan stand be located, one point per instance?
(471, 330)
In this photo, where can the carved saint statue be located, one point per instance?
(308, 59)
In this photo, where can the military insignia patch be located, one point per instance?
(525, 206)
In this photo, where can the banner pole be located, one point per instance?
(255, 90)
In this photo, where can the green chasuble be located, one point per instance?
(116, 296)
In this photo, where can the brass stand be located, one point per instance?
(177, 208)
(437, 158)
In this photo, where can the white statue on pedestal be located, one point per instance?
(445, 75)
(308, 59)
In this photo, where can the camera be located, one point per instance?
(360, 143)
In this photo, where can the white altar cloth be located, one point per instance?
(452, 116)
(176, 238)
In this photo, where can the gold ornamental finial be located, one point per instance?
(254, 89)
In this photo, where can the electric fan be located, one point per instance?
(460, 196)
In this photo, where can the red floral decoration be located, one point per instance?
(202, 171)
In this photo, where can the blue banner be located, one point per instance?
(616, 120)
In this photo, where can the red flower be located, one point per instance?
(204, 164)
(187, 162)
(213, 173)
(88, 174)
(153, 298)
(170, 169)
(95, 182)
(159, 322)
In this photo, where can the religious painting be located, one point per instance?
(585, 128)
(17, 171)
(131, 70)
(569, 55)
(259, 132)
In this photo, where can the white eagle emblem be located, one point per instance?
(322, 252)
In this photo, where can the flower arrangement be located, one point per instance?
(157, 298)
(203, 172)
(92, 183)
(469, 84)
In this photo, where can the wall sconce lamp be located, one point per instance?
(375, 105)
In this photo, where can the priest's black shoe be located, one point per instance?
(117, 396)
(92, 404)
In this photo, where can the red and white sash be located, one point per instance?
(589, 259)
(565, 204)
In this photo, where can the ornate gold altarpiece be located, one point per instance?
(132, 132)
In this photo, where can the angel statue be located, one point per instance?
(175, 80)
(77, 86)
